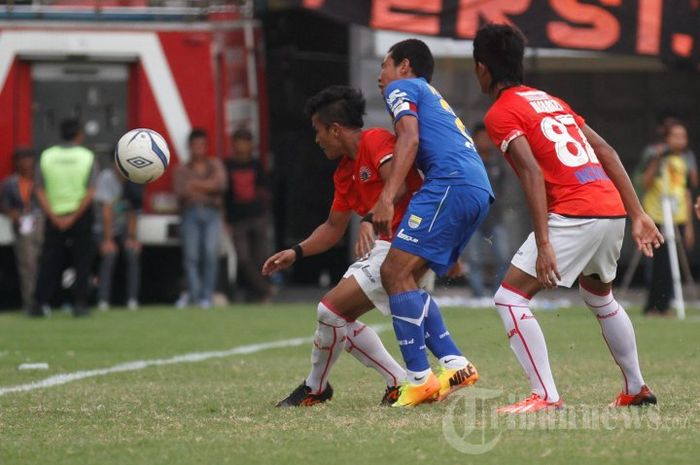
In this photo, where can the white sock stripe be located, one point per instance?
(416, 321)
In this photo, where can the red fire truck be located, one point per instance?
(121, 64)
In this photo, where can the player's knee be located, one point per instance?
(330, 329)
(328, 317)
(501, 295)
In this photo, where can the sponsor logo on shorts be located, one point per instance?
(368, 273)
(406, 342)
(414, 221)
(406, 237)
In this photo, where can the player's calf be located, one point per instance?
(618, 333)
(329, 341)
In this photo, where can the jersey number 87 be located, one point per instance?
(571, 151)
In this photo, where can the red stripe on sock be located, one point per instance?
(527, 349)
(353, 346)
(509, 305)
(627, 391)
(334, 310)
(599, 306)
(608, 315)
(330, 326)
(328, 362)
(516, 291)
(598, 293)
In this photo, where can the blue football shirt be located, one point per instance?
(446, 152)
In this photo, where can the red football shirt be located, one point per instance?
(575, 181)
(358, 183)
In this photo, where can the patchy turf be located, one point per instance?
(221, 410)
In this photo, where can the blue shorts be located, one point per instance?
(439, 221)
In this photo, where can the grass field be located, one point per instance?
(221, 410)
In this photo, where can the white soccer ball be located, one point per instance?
(142, 155)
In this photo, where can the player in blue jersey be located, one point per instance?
(440, 219)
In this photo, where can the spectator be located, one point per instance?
(118, 203)
(658, 147)
(199, 185)
(65, 185)
(666, 174)
(20, 204)
(247, 200)
(492, 237)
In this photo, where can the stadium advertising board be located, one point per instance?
(664, 28)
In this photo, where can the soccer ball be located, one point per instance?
(142, 155)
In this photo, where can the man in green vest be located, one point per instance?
(64, 188)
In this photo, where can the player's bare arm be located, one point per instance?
(532, 182)
(644, 232)
(321, 239)
(405, 152)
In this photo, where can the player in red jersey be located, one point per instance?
(365, 156)
(579, 194)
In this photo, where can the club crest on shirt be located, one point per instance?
(365, 174)
(414, 221)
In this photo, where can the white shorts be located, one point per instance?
(582, 246)
(367, 274)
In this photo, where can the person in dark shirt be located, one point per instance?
(20, 204)
(246, 213)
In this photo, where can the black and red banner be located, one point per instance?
(669, 29)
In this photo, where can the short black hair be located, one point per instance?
(418, 55)
(338, 104)
(501, 48)
(242, 134)
(197, 133)
(70, 128)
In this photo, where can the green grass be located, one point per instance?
(221, 411)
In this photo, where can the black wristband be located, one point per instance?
(298, 252)
(367, 218)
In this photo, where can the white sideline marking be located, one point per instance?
(192, 357)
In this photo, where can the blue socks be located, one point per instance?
(418, 323)
(437, 337)
(408, 311)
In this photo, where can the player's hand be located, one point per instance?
(382, 216)
(279, 261)
(646, 235)
(108, 247)
(365, 239)
(547, 273)
(697, 207)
